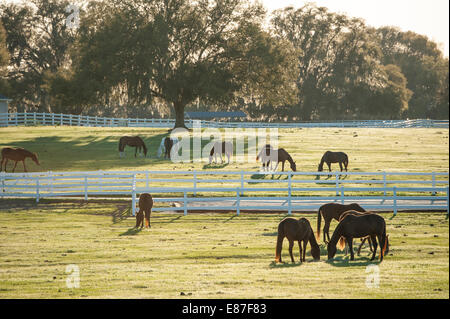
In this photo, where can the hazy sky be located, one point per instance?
(428, 17)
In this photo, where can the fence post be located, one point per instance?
(447, 203)
(146, 179)
(433, 183)
(195, 183)
(185, 203)
(133, 196)
(342, 195)
(2, 176)
(242, 183)
(395, 200)
(238, 202)
(34, 118)
(289, 194)
(337, 184)
(37, 189)
(85, 188)
(384, 182)
(53, 119)
(61, 120)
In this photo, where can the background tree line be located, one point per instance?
(156, 58)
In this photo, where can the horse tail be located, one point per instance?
(342, 243)
(383, 242)
(319, 220)
(279, 242)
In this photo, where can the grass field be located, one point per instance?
(210, 255)
(369, 149)
(202, 256)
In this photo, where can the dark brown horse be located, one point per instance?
(134, 141)
(268, 155)
(300, 231)
(333, 157)
(145, 205)
(168, 144)
(363, 240)
(332, 211)
(18, 155)
(352, 226)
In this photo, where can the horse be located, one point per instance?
(220, 148)
(333, 157)
(145, 205)
(299, 230)
(163, 149)
(332, 211)
(363, 240)
(269, 155)
(168, 144)
(352, 226)
(134, 141)
(17, 154)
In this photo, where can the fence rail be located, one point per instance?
(196, 190)
(45, 119)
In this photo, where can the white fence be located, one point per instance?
(45, 119)
(296, 191)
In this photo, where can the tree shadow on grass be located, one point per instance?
(215, 166)
(275, 265)
(121, 213)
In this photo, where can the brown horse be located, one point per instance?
(332, 211)
(363, 240)
(299, 230)
(134, 141)
(168, 144)
(145, 205)
(333, 157)
(268, 155)
(17, 154)
(352, 226)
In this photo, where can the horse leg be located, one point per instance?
(24, 168)
(340, 166)
(374, 242)
(291, 245)
(305, 242)
(350, 247)
(282, 166)
(360, 246)
(15, 166)
(147, 218)
(6, 162)
(300, 249)
(326, 231)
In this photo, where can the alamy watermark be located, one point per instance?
(373, 277)
(73, 279)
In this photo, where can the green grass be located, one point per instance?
(202, 255)
(369, 150)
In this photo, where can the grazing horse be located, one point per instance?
(220, 148)
(168, 144)
(269, 155)
(17, 154)
(332, 211)
(145, 205)
(134, 141)
(333, 157)
(352, 226)
(299, 230)
(342, 239)
(163, 149)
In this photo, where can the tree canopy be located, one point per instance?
(171, 55)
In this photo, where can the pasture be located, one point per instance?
(210, 255)
(202, 256)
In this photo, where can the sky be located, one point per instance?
(427, 17)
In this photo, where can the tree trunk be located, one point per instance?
(179, 114)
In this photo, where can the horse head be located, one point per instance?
(294, 166)
(320, 168)
(331, 250)
(35, 159)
